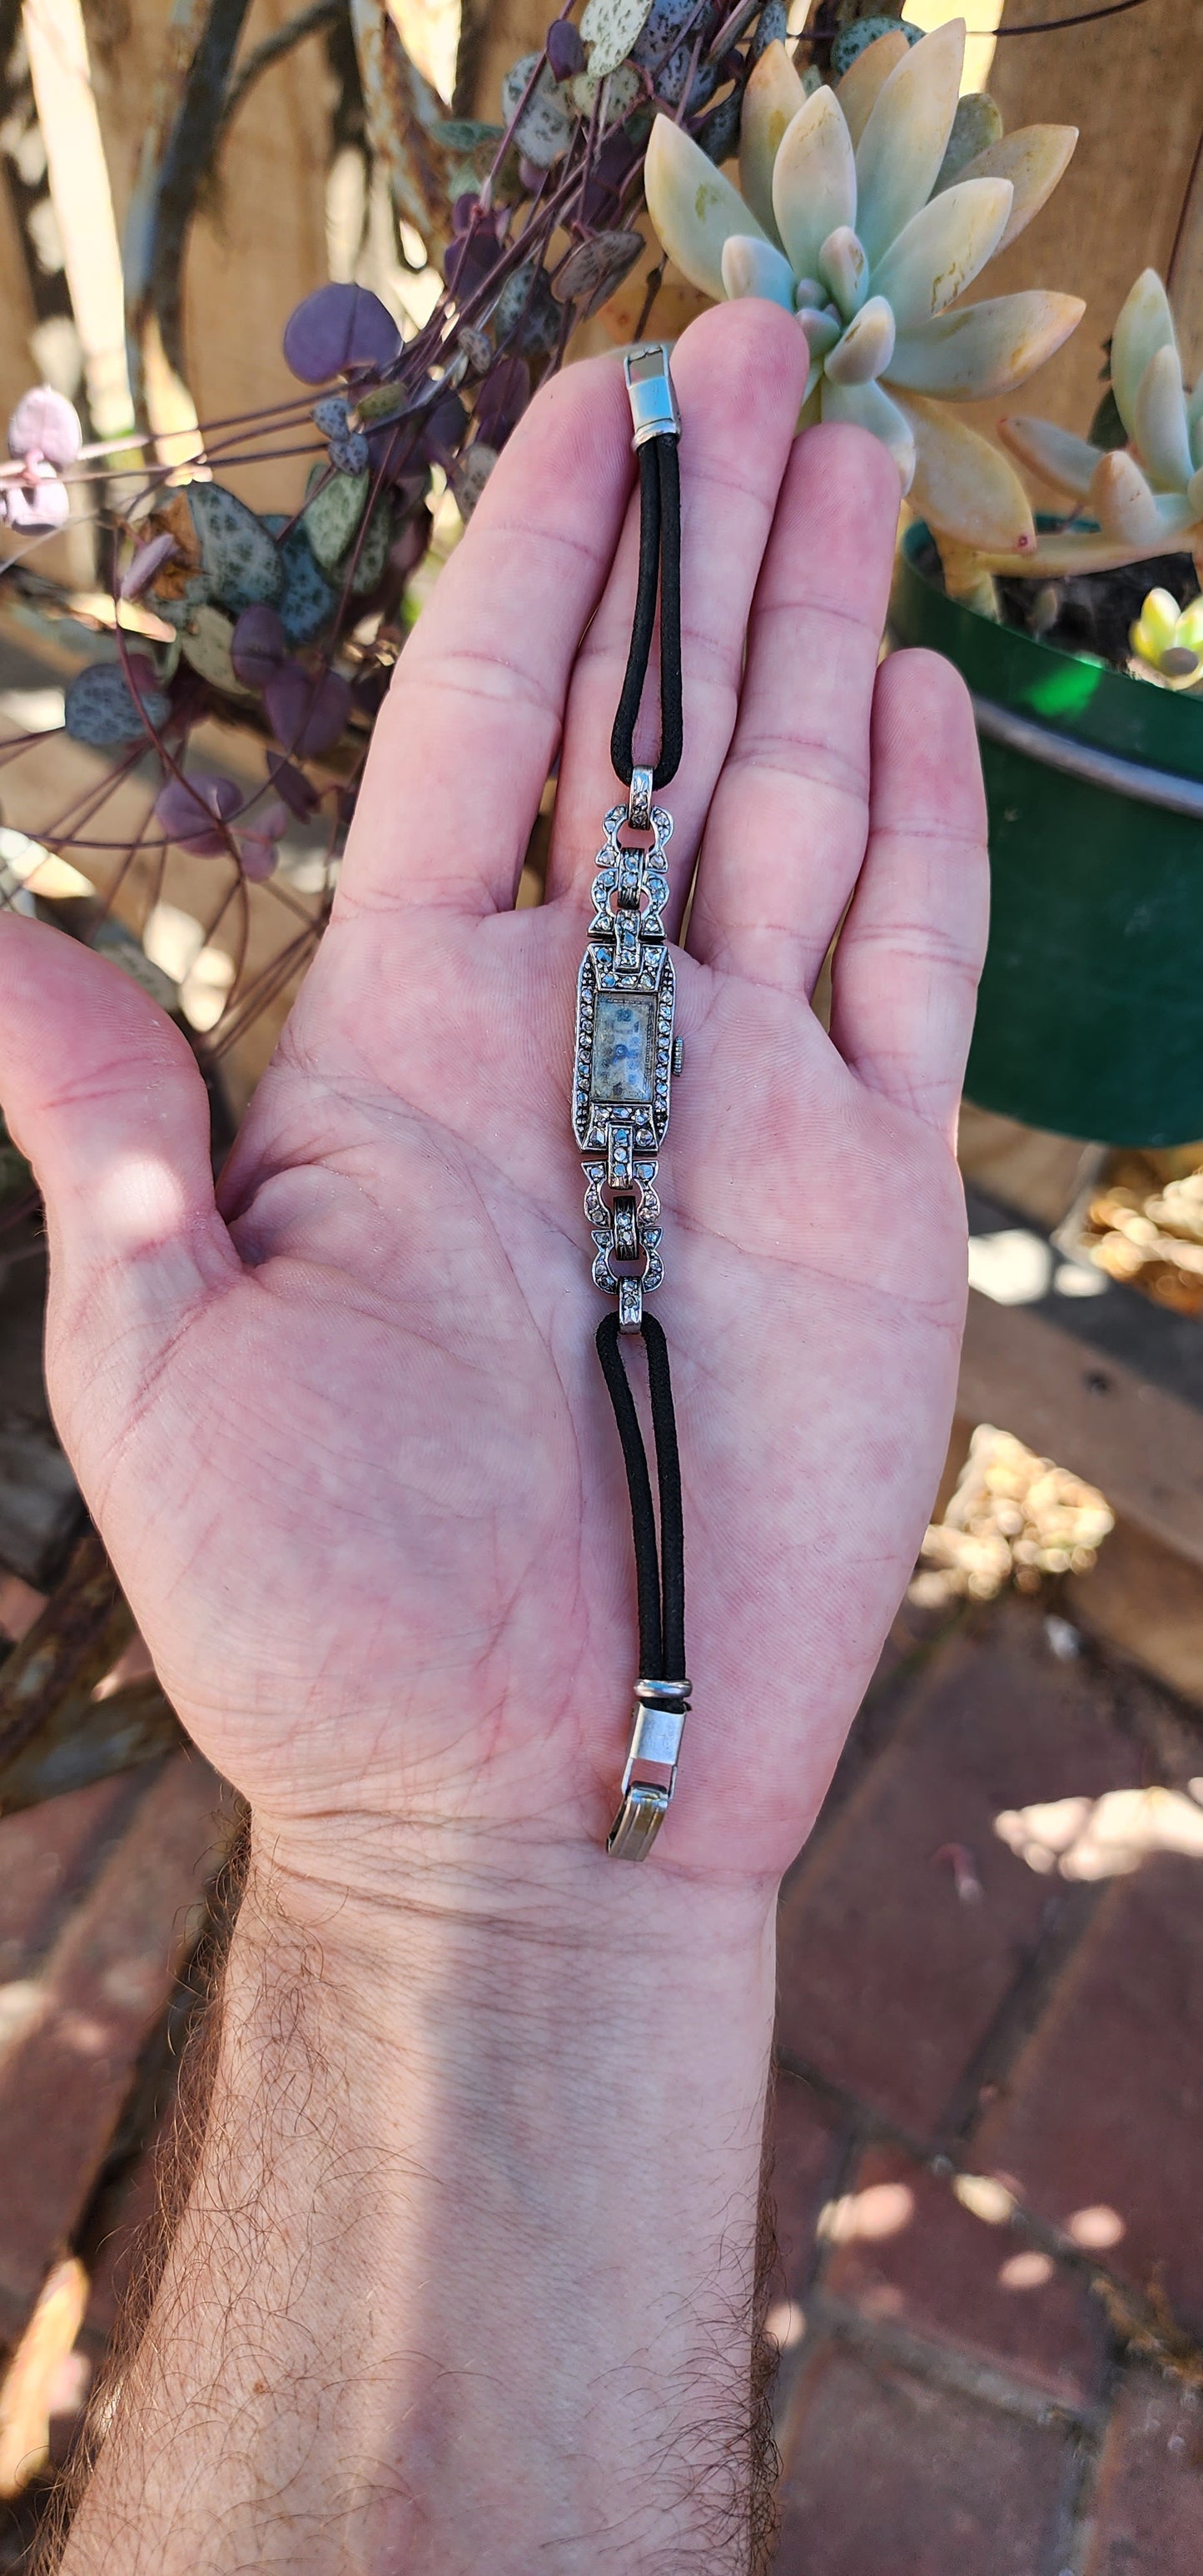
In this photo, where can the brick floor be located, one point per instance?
(906, 2251)
(1149, 2505)
(963, 1978)
(890, 1981)
(886, 2476)
(48, 1855)
(807, 2148)
(1102, 2122)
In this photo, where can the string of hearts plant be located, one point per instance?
(872, 198)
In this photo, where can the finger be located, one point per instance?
(465, 741)
(906, 967)
(790, 815)
(740, 373)
(104, 1097)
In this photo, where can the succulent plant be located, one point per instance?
(1169, 639)
(1146, 497)
(860, 209)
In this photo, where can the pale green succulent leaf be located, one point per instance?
(693, 207)
(867, 345)
(899, 154)
(754, 267)
(860, 88)
(822, 330)
(1145, 325)
(1033, 158)
(1057, 454)
(1122, 501)
(844, 270)
(1194, 414)
(942, 249)
(964, 487)
(976, 125)
(772, 99)
(868, 407)
(812, 402)
(814, 180)
(1194, 493)
(987, 349)
(1088, 550)
(1176, 512)
(1159, 423)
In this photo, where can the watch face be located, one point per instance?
(624, 1040)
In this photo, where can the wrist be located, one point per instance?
(439, 1962)
(482, 2179)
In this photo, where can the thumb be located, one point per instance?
(104, 1096)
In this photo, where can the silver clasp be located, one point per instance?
(651, 393)
(658, 1724)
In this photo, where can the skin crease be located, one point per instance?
(344, 1432)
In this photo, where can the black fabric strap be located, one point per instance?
(659, 572)
(659, 1574)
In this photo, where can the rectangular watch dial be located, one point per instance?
(624, 1047)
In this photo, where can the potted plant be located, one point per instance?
(1091, 727)
(869, 207)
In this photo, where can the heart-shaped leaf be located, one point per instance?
(595, 268)
(610, 29)
(306, 711)
(544, 129)
(45, 424)
(338, 330)
(259, 645)
(239, 555)
(623, 87)
(205, 641)
(293, 786)
(331, 518)
(257, 854)
(42, 503)
(565, 52)
(374, 550)
(502, 399)
(102, 707)
(307, 603)
(470, 475)
(191, 811)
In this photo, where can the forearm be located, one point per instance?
(466, 2275)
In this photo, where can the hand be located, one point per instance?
(344, 1431)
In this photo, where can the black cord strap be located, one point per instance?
(659, 572)
(622, 1111)
(659, 1568)
(662, 1692)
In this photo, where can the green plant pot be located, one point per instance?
(1090, 1015)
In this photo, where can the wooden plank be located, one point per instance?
(1134, 86)
(259, 240)
(1145, 1603)
(1093, 1414)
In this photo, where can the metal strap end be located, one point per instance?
(656, 1734)
(651, 393)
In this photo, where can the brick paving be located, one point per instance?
(989, 2176)
(988, 2134)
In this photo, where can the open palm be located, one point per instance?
(344, 1433)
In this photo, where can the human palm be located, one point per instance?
(346, 1438)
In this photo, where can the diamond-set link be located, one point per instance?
(625, 1061)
